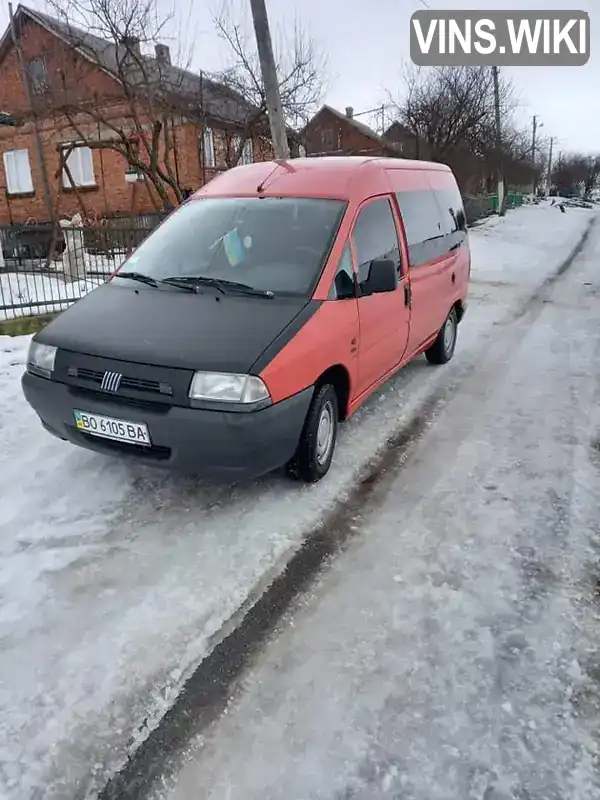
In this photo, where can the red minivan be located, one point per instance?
(259, 315)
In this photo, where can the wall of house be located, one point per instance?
(66, 72)
(409, 147)
(112, 194)
(73, 80)
(328, 133)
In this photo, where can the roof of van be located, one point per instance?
(327, 176)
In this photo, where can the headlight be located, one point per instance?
(40, 359)
(228, 388)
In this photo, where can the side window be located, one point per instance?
(343, 284)
(375, 236)
(451, 210)
(420, 215)
(423, 225)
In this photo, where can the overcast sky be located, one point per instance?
(366, 42)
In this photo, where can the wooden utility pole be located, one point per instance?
(549, 179)
(500, 176)
(36, 132)
(269, 78)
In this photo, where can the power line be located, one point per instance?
(375, 110)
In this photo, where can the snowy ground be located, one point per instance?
(34, 293)
(451, 651)
(116, 580)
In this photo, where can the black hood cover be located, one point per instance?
(173, 328)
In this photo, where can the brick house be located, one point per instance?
(49, 64)
(410, 146)
(331, 132)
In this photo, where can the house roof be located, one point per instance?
(216, 99)
(397, 129)
(360, 126)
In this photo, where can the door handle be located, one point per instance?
(407, 295)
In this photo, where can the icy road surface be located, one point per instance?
(115, 581)
(451, 651)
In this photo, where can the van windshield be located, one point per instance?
(271, 244)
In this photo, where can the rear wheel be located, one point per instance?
(317, 441)
(442, 350)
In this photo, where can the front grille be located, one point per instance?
(160, 407)
(127, 382)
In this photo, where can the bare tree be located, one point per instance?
(301, 67)
(451, 113)
(448, 107)
(132, 111)
(575, 173)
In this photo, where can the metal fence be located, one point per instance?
(478, 207)
(40, 275)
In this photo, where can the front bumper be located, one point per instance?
(220, 444)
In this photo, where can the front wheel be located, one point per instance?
(442, 350)
(317, 441)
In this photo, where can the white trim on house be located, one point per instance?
(208, 148)
(18, 172)
(81, 165)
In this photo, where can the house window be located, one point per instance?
(18, 172)
(247, 155)
(81, 166)
(327, 139)
(38, 76)
(208, 144)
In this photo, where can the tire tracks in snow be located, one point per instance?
(206, 694)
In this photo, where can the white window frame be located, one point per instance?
(247, 154)
(17, 170)
(208, 148)
(81, 165)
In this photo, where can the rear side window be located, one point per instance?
(434, 222)
(451, 209)
(375, 236)
(421, 216)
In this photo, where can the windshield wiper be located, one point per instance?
(244, 288)
(192, 282)
(138, 276)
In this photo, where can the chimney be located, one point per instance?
(349, 112)
(163, 54)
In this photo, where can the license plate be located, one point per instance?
(121, 430)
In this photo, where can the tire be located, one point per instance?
(442, 350)
(314, 454)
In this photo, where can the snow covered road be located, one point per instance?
(116, 581)
(450, 652)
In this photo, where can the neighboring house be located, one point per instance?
(330, 132)
(410, 146)
(207, 122)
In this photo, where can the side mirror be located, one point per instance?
(383, 277)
